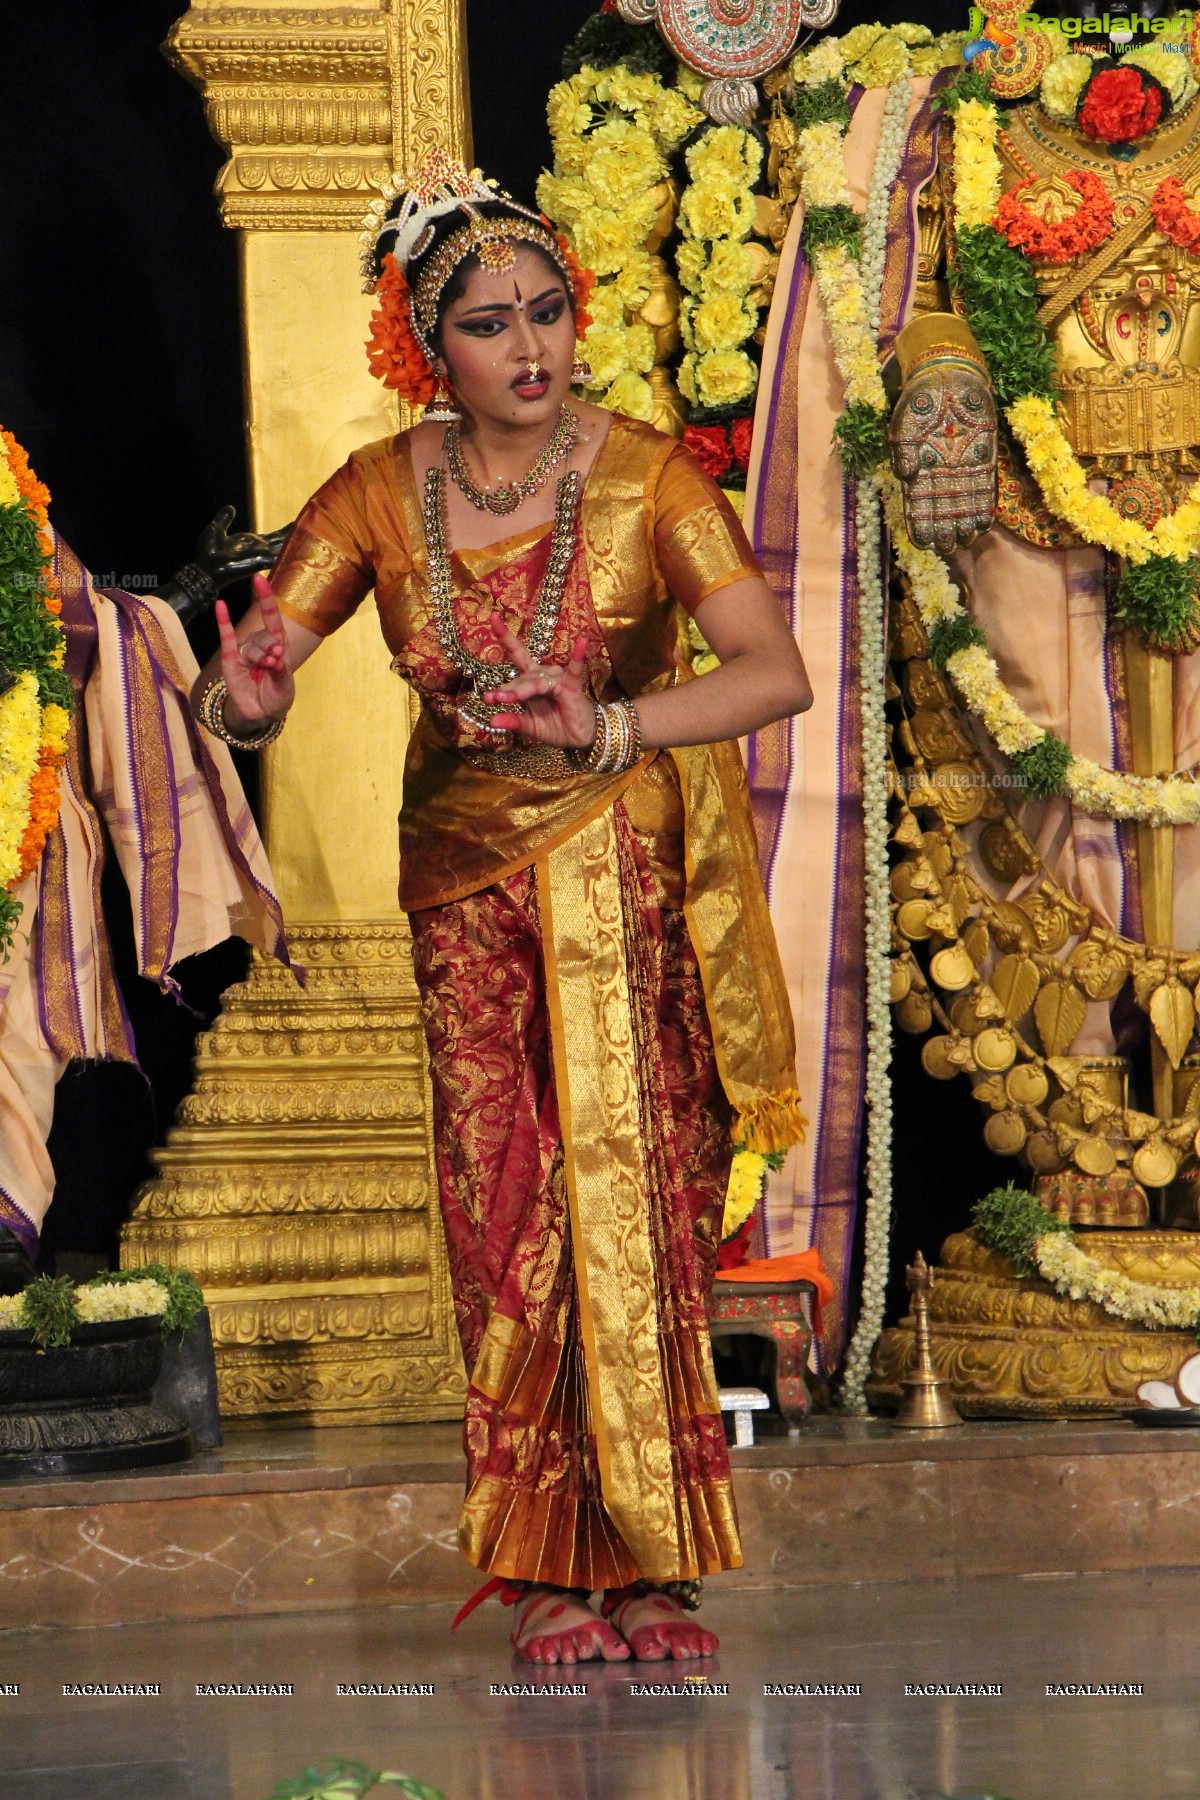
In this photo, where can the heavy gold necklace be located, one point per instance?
(482, 676)
(508, 496)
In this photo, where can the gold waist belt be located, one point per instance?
(1142, 413)
(535, 762)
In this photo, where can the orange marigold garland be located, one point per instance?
(1173, 217)
(1058, 241)
(582, 281)
(44, 803)
(35, 707)
(394, 355)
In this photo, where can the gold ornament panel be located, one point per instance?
(314, 106)
(1013, 1348)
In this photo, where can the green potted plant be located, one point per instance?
(78, 1367)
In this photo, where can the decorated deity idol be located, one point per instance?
(990, 300)
(603, 1003)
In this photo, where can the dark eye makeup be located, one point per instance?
(546, 312)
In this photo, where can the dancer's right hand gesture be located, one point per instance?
(257, 677)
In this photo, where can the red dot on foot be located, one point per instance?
(556, 1610)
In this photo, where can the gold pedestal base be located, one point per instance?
(297, 1187)
(1012, 1348)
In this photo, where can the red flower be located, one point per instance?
(710, 447)
(740, 434)
(734, 1250)
(1119, 105)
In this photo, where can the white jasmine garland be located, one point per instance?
(872, 608)
(873, 655)
(888, 157)
(111, 1300)
(1148, 799)
(1078, 1276)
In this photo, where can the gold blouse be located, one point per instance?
(656, 534)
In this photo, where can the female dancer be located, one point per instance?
(601, 992)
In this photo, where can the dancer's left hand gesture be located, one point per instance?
(556, 703)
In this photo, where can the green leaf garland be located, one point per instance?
(1158, 599)
(1042, 769)
(998, 287)
(949, 636)
(824, 103)
(861, 438)
(828, 225)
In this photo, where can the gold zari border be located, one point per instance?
(596, 1077)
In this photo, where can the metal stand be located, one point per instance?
(928, 1404)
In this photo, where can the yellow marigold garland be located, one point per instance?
(717, 270)
(745, 1188)
(614, 131)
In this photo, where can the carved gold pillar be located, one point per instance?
(297, 1182)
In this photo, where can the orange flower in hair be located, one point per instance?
(394, 355)
(582, 281)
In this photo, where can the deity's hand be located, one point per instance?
(943, 444)
(257, 677)
(222, 558)
(555, 700)
(230, 556)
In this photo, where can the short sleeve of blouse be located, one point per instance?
(327, 567)
(698, 538)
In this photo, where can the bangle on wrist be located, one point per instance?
(617, 745)
(197, 584)
(210, 710)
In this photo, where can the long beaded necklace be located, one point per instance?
(508, 496)
(481, 675)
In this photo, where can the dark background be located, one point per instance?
(119, 372)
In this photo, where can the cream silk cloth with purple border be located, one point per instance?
(142, 779)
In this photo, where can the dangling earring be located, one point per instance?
(581, 371)
(441, 409)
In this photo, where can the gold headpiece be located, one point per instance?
(443, 186)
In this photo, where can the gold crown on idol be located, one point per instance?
(444, 185)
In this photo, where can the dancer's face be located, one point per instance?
(499, 328)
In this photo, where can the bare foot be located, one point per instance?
(555, 1626)
(655, 1626)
